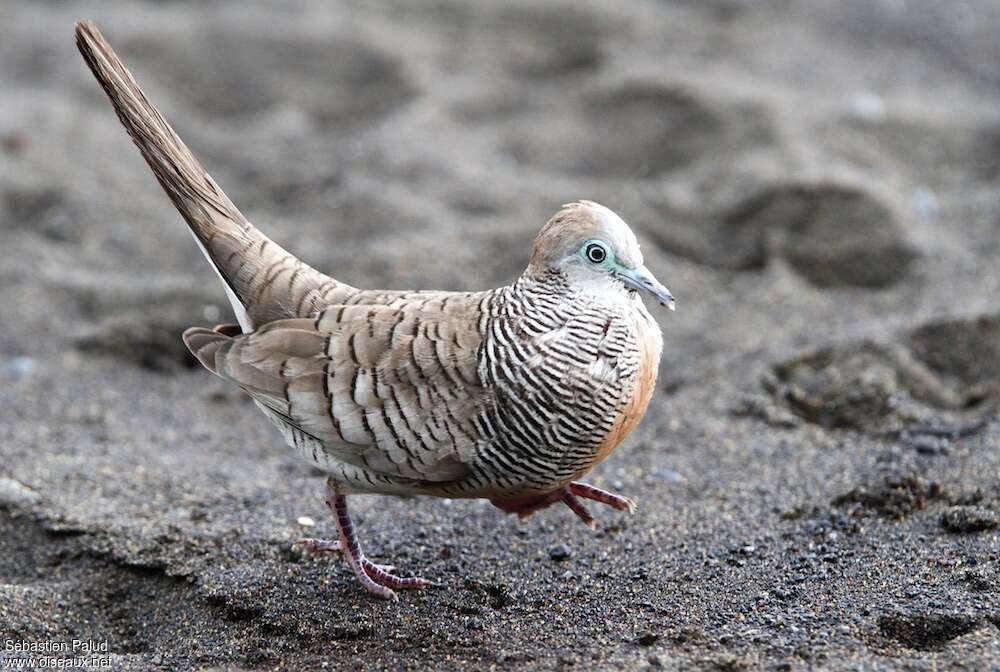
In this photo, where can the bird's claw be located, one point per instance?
(312, 546)
(382, 575)
(603, 496)
(570, 495)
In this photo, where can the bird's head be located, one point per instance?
(596, 252)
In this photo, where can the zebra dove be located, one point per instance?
(509, 394)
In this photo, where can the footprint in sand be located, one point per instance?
(526, 42)
(338, 81)
(931, 150)
(634, 130)
(832, 235)
(940, 375)
(44, 211)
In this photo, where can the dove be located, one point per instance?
(510, 394)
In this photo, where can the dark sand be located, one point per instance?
(818, 475)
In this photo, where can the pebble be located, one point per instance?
(15, 493)
(648, 639)
(305, 521)
(19, 367)
(867, 106)
(969, 519)
(925, 202)
(560, 552)
(928, 445)
(670, 476)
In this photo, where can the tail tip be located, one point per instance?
(85, 29)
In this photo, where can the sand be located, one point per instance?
(818, 475)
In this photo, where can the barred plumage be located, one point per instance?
(508, 394)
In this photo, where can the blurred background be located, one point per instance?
(816, 182)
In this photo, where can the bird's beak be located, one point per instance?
(641, 279)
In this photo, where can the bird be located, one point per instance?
(510, 394)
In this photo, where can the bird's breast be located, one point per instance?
(566, 383)
(648, 347)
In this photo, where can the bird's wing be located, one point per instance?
(391, 389)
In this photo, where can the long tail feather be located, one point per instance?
(262, 280)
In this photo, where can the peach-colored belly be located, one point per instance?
(650, 345)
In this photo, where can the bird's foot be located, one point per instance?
(318, 546)
(602, 496)
(375, 578)
(570, 496)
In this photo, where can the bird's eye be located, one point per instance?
(596, 253)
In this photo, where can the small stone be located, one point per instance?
(689, 634)
(560, 552)
(657, 660)
(15, 493)
(198, 514)
(19, 367)
(305, 521)
(967, 519)
(925, 202)
(648, 639)
(670, 476)
(977, 581)
(927, 445)
(866, 106)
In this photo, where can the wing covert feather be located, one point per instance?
(392, 389)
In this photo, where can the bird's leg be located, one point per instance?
(602, 496)
(577, 507)
(350, 547)
(375, 578)
(568, 495)
(317, 546)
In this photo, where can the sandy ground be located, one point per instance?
(818, 474)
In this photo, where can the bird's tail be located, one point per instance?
(262, 280)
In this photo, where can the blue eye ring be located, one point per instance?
(596, 252)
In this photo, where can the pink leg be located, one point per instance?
(525, 506)
(375, 578)
(602, 496)
(577, 507)
(317, 546)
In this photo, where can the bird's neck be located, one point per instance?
(588, 289)
(549, 282)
